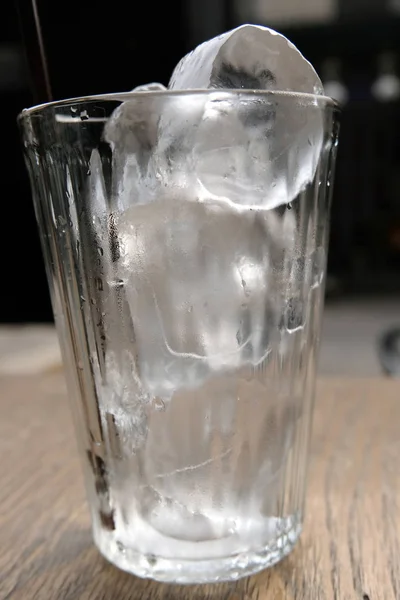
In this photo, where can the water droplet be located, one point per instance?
(88, 172)
(99, 284)
(159, 404)
(83, 299)
(84, 115)
(62, 221)
(100, 251)
(289, 206)
(80, 365)
(121, 547)
(93, 301)
(74, 110)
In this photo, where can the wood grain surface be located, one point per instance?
(350, 548)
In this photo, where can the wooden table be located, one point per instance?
(350, 548)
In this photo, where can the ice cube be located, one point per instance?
(150, 87)
(177, 134)
(248, 57)
(132, 132)
(255, 150)
(130, 125)
(199, 285)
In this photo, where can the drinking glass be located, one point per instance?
(185, 238)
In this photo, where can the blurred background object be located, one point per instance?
(287, 11)
(389, 352)
(354, 44)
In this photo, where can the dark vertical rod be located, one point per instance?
(34, 50)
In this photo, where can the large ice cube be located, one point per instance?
(248, 57)
(199, 280)
(254, 150)
(257, 152)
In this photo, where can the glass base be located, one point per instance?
(213, 570)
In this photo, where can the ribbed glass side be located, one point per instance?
(190, 334)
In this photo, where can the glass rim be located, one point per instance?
(126, 96)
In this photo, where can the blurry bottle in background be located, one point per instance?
(386, 87)
(331, 74)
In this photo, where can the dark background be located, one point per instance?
(91, 50)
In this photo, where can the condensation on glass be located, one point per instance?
(188, 302)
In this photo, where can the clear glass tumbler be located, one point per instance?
(185, 238)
